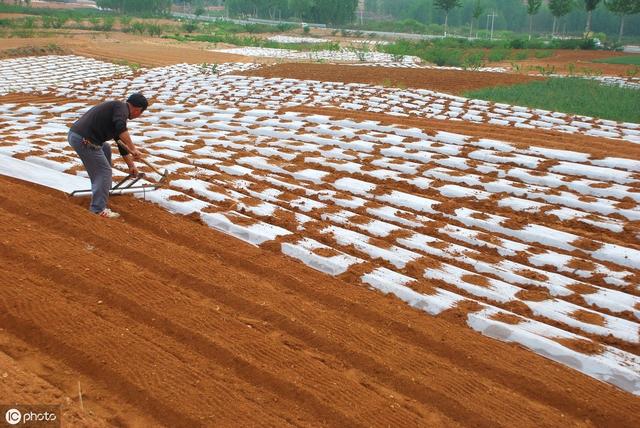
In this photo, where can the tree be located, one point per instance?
(622, 8)
(446, 6)
(559, 8)
(333, 11)
(300, 8)
(533, 7)
(242, 7)
(589, 6)
(478, 9)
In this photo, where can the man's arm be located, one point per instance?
(126, 139)
(133, 170)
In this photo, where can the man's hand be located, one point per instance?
(133, 170)
(133, 151)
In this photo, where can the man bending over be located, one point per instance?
(89, 135)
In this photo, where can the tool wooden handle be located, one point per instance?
(121, 144)
(151, 166)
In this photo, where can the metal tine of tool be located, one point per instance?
(124, 186)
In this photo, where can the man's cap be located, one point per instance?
(138, 100)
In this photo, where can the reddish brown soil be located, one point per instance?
(167, 322)
(52, 4)
(507, 318)
(12, 15)
(583, 346)
(450, 81)
(114, 46)
(588, 317)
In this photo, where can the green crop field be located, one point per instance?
(569, 95)
(627, 59)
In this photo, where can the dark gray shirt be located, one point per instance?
(103, 122)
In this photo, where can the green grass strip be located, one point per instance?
(628, 60)
(569, 95)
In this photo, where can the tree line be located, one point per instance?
(330, 12)
(555, 16)
(151, 7)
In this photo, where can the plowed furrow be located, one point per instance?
(366, 363)
(208, 348)
(243, 337)
(302, 334)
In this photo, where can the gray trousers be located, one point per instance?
(97, 162)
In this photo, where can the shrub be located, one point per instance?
(256, 28)
(29, 22)
(95, 22)
(412, 26)
(442, 56)
(107, 23)
(401, 47)
(521, 55)
(451, 42)
(496, 55)
(137, 27)
(285, 27)
(517, 44)
(434, 29)
(473, 60)
(189, 26)
(47, 21)
(154, 29)
(125, 21)
(53, 21)
(543, 54)
(588, 44)
(573, 44)
(77, 18)
(60, 20)
(546, 71)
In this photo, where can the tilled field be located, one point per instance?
(126, 48)
(452, 82)
(535, 244)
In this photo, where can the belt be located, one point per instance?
(91, 144)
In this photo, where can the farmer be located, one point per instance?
(89, 135)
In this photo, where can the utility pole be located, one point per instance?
(488, 16)
(493, 17)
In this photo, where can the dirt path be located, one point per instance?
(450, 81)
(178, 321)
